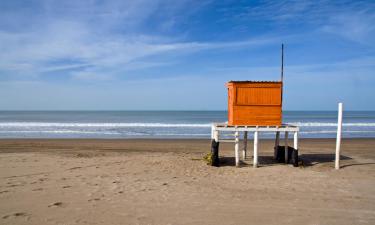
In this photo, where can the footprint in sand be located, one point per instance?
(38, 189)
(75, 168)
(17, 214)
(12, 185)
(66, 186)
(56, 204)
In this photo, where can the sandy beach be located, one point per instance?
(144, 181)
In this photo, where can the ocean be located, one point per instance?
(167, 124)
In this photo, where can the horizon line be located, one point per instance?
(162, 110)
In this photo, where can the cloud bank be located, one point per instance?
(70, 44)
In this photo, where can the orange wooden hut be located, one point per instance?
(255, 103)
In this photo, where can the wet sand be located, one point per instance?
(165, 182)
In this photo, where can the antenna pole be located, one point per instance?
(282, 62)
(282, 76)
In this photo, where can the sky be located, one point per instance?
(178, 55)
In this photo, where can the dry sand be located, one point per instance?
(164, 182)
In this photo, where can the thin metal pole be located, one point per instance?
(338, 138)
(282, 62)
(282, 75)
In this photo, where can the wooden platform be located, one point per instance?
(219, 128)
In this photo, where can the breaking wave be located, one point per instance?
(318, 124)
(156, 125)
(104, 125)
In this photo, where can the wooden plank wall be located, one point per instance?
(254, 103)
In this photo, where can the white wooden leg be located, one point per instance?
(216, 135)
(236, 148)
(286, 146)
(277, 143)
(244, 151)
(255, 163)
(295, 144)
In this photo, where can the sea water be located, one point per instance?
(167, 124)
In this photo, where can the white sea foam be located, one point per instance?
(57, 132)
(334, 132)
(95, 133)
(114, 125)
(318, 124)
(43, 124)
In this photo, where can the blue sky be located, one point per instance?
(159, 55)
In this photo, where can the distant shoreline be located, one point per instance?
(161, 110)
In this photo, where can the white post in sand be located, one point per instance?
(236, 148)
(286, 146)
(255, 163)
(244, 151)
(338, 138)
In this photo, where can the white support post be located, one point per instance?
(286, 146)
(244, 151)
(214, 133)
(255, 163)
(295, 144)
(338, 138)
(236, 148)
(277, 143)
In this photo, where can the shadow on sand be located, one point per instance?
(307, 160)
(315, 159)
(263, 161)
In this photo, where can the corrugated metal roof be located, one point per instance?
(253, 81)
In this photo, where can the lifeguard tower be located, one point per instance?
(255, 106)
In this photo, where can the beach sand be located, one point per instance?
(166, 182)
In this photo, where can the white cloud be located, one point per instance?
(50, 36)
(72, 46)
(358, 26)
(352, 20)
(83, 39)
